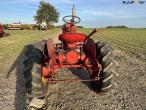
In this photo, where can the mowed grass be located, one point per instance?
(12, 45)
(131, 41)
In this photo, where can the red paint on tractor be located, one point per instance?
(76, 50)
(71, 45)
(1, 31)
(72, 57)
(61, 58)
(44, 71)
(69, 27)
(72, 37)
(51, 48)
(90, 49)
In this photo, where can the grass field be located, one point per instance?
(131, 41)
(130, 49)
(12, 45)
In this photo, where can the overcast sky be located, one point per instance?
(93, 13)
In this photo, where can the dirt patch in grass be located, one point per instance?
(129, 93)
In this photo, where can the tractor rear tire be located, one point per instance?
(32, 70)
(106, 58)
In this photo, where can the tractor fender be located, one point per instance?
(90, 48)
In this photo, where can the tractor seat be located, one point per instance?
(72, 37)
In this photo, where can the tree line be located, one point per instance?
(120, 26)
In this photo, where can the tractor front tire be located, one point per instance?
(32, 70)
(106, 58)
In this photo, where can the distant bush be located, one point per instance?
(35, 27)
(25, 26)
(30, 27)
(80, 27)
(60, 26)
(51, 26)
(5, 26)
(121, 26)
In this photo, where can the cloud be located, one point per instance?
(19, 1)
(65, 1)
(37, 1)
(97, 13)
(126, 16)
(91, 12)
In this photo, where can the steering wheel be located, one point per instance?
(70, 18)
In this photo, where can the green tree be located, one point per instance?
(46, 12)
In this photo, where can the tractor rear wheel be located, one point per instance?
(106, 58)
(32, 70)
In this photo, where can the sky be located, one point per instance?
(93, 13)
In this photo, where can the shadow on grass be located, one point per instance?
(24, 64)
(20, 95)
(21, 92)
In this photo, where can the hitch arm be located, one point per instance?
(93, 32)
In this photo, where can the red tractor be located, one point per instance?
(76, 50)
(2, 33)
